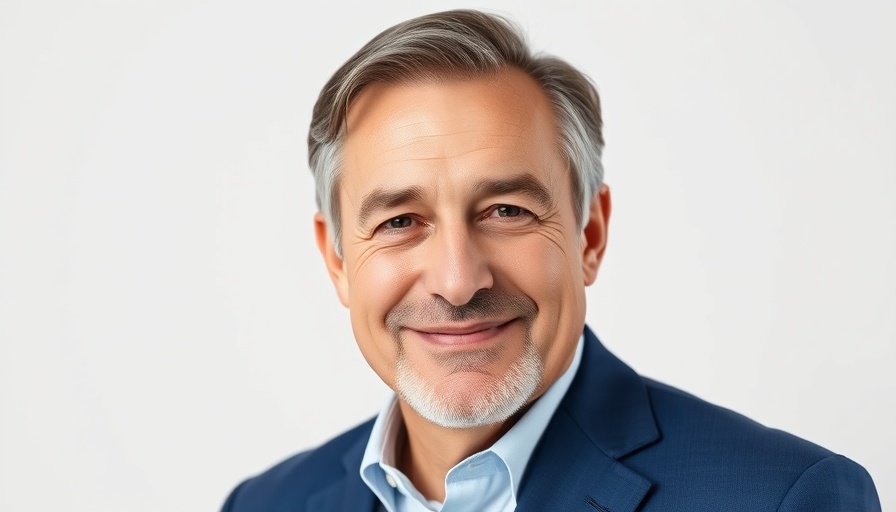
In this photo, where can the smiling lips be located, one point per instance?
(458, 335)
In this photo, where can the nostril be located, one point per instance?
(454, 268)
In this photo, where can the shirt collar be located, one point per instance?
(514, 448)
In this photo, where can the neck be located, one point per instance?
(428, 451)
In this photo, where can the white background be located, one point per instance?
(167, 327)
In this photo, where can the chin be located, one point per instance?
(471, 399)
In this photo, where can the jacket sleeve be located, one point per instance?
(833, 484)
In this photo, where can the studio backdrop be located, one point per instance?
(167, 326)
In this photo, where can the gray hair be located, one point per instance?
(459, 43)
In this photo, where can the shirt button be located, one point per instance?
(391, 480)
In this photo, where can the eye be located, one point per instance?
(507, 210)
(400, 230)
(400, 222)
(508, 217)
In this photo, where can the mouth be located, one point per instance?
(464, 335)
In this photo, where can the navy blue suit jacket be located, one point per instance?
(618, 442)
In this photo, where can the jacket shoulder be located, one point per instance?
(682, 416)
(288, 484)
(743, 464)
(834, 483)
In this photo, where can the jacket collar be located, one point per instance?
(605, 415)
(610, 402)
(349, 492)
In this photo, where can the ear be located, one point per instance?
(594, 235)
(334, 263)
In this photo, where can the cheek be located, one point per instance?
(378, 283)
(551, 275)
(544, 270)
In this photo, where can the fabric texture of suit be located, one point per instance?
(618, 442)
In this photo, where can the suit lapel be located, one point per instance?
(569, 473)
(348, 492)
(604, 416)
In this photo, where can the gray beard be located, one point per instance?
(495, 404)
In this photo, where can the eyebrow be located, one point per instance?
(382, 199)
(523, 183)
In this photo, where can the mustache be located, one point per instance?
(487, 303)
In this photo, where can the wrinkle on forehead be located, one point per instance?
(441, 134)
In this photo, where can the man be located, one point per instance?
(462, 215)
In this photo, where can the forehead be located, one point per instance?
(500, 122)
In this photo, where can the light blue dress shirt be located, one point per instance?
(487, 481)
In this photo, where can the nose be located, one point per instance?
(456, 267)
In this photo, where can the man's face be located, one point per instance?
(463, 266)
